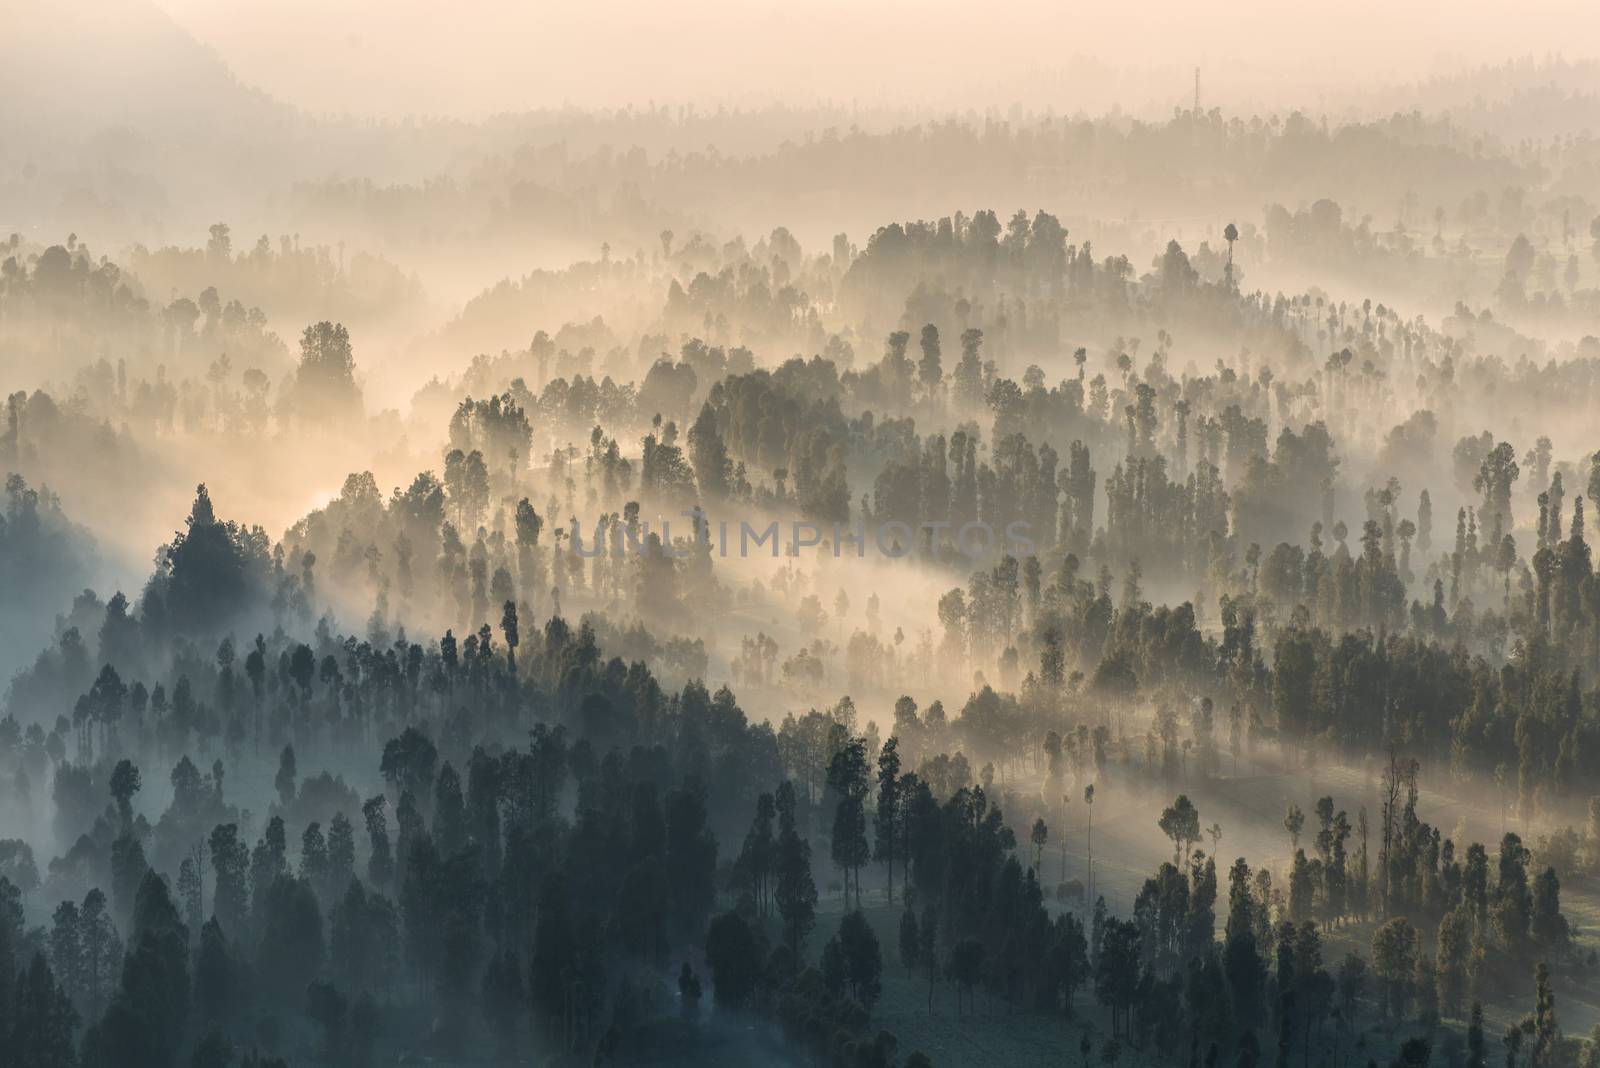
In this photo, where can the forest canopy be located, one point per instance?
(736, 580)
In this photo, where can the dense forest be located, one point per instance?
(798, 585)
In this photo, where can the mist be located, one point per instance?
(418, 59)
(874, 535)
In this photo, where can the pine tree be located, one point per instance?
(709, 456)
(795, 893)
(43, 1020)
(690, 861)
(284, 780)
(929, 369)
(215, 975)
(847, 780)
(380, 864)
(144, 1024)
(341, 856)
(314, 863)
(888, 819)
(758, 854)
(66, 950)
(1241, 956)
(1546, 1029)
(1547, 925)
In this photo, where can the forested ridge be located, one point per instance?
(801, 585)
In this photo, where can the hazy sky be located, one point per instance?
(470, 57)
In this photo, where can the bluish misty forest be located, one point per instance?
(849, 580)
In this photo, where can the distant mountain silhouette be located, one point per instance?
(121, 121)
(87, 66)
